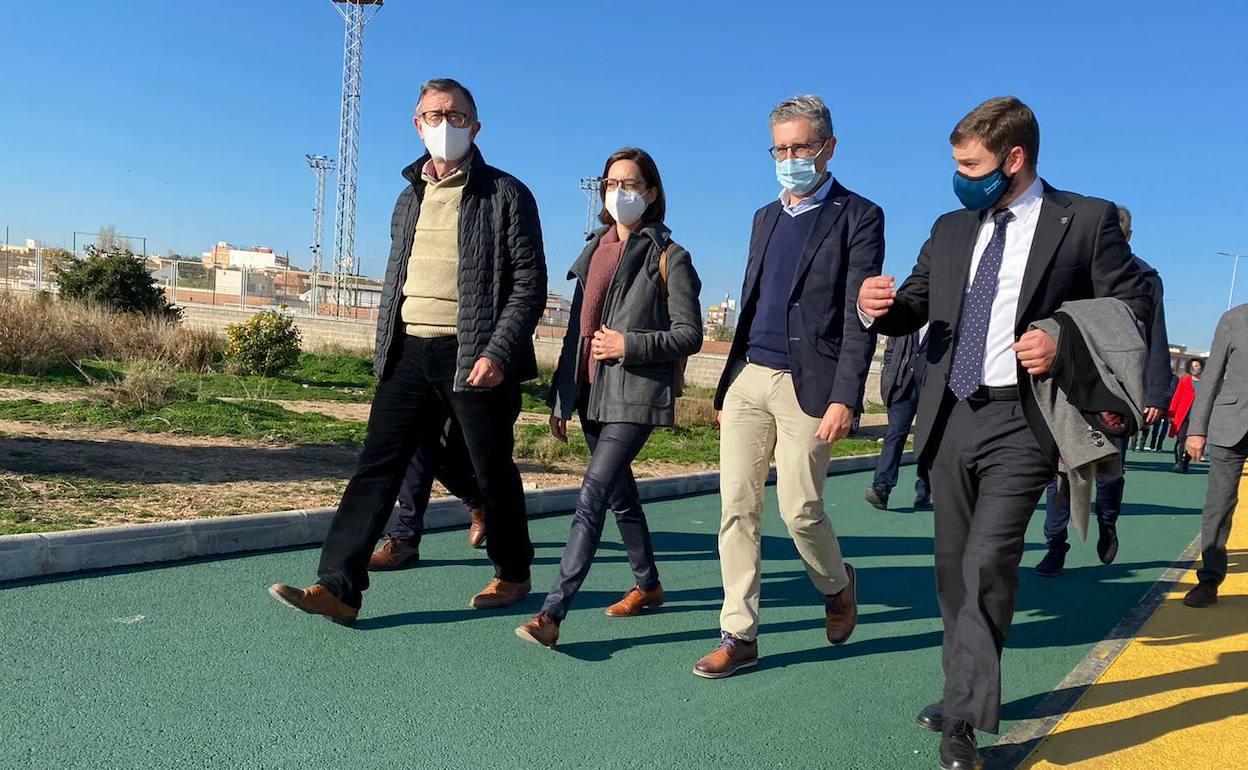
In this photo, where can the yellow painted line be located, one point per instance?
(1177, 696)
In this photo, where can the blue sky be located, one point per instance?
(188, 122)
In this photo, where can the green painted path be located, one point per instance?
(194, 666)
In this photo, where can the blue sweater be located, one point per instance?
(769, 328)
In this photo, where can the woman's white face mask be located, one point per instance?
(625, 207)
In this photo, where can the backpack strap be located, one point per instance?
(663, 269)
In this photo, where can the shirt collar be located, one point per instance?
(812, 201)
(430, 173)
(1026, 204)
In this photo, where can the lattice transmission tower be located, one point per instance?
(593, 203)
(356, 14)
(320, 165)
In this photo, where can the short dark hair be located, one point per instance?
(1193, 361)
(657, 210)
(1001, 123)
(446, 86)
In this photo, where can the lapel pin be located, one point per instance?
(1065, 220)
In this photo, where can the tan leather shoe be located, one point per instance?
(500, 593)
(394, 554)
(635, 601)
(729, 657)
(315, 601)
(476, 529)
(542, 629)
(842, 610)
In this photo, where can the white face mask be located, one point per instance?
(445, 142)
(625, 207)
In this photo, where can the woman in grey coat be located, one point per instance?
(635, 317)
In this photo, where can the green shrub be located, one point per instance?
(117, 280)
(266, 344)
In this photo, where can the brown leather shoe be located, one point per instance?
(729, 657)
(635, 601)
(476, 529)
(500, 593)
(542, 629)
(394, 554)
(842, 610)
(316, 600)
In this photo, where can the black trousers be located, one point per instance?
(1109, 492)
(447, 461)
(1181, 458)
(608, 483)
(900, 420)
(1226, 466)
(412, 405)
(988, 472)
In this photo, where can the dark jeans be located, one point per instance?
(445, 459)
(988, 472)
(1161, 429)
(1226, 466)
(608, 483)
(411, 406)
(1109, 491)
(900, 419)
(1181, 458)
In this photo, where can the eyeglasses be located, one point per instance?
(629, 185)
(456, 118)
(804, 151)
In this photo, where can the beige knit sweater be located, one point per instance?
(431, 291)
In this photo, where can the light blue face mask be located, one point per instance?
(797, 175)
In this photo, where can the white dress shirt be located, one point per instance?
(1000, 360)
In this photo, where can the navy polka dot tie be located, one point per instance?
(968, 355)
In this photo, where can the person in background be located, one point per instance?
(796, 372)
(1157, 439)
(465, 286)
(636, 316)
(447, 461)
(1109, 489)
(905, 363)
(1217, 424)
(1180, 411)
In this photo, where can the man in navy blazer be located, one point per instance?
(797, 371)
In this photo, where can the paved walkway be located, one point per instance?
(194, 666)
(1177, 696)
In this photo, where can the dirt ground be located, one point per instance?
(62, 477)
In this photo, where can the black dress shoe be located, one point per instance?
(957, 748)
(877, 497)
(1054, 561)
(932, 718)
(1204, 594)
(923, 503)
(1107, 545)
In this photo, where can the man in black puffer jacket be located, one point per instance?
(465, 287)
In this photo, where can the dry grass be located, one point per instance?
(39, 332)
(692, 411)
(143, 386)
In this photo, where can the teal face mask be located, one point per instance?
(797, 175)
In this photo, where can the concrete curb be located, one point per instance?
(52, 553)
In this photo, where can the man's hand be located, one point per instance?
(607, 345)
(1151, 415)
(485, 374)
(719, 419)
(835, 423)
(1196, 447)
(876, 296)
(1036, 351)
(559, 428)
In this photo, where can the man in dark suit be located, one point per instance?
(797, 370)
(905, 363)
(1018, 250)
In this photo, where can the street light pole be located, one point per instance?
(1234, 270)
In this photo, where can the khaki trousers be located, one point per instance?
(761, 416)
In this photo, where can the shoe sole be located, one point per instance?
(397, 568)
(1199, 605)
(726, 674)
(1048, 574)
(349, 622)
(644, 607)
(526, 636)
(473, 604)
(943, 766)
(931, 727)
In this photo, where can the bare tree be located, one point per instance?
(109, 242)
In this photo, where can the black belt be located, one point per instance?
(986, 393)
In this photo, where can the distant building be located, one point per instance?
(558, 311)
(721, 316)
(226, 255)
